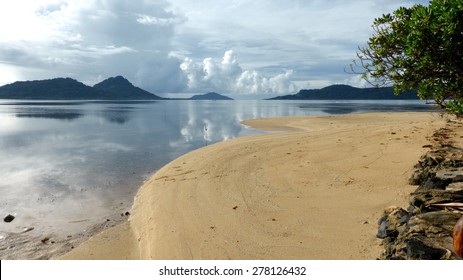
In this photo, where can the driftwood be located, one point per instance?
(451, 205)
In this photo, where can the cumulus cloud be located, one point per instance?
(228, 76)
(161, 45)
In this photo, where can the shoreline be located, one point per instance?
(315, 191)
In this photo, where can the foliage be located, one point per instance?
(420, 48)
(455, 107)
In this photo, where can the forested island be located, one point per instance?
(210, 96)
(119, 88)
(116, 88)
(345, 92)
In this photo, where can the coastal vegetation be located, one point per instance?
(418, 48)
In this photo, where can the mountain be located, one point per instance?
(124, 89)
(58, 89)
(69, 89)
(210, 96)
(345, 92)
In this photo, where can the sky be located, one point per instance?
(255, 48)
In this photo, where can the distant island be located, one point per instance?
(124, 89)
(345, 92)
(210, 96)
(119, 88)
(116, 88)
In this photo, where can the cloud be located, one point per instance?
(229, 77)
(161, 45)
(315, 39)
(92, 40)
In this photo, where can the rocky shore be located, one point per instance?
(424, 229)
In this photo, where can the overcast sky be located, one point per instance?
(265, 47)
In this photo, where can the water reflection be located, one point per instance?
(47, 113)
(62, 162)
(349, 107)
(117, 115)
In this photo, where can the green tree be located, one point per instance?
(418, 48)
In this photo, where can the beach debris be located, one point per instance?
(458, 237)
(27, 229)
(45, 240)
(127, 213)
(235, 207)
(79, 221)
(9, 218)
(450, 205)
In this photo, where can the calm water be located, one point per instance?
(66, 165)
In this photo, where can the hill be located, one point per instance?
(124, 89)
(57, 89)
(210, 96)
(345, 92)
(70, 89)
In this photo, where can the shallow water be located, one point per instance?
(65, 166)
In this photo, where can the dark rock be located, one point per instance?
(433, 183)
(425, 231)
(425, 236)
(418, 249)
(425, 199)
(9, 218)
(436, 222)
(453, 175)
(391, 222)
(383, 230)
(419, 176)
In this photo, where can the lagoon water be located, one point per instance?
(65, 165)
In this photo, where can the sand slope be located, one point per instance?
(314, 192)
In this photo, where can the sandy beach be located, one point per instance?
(312, 188)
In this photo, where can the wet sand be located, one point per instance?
(31, 243)
(315, 191)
